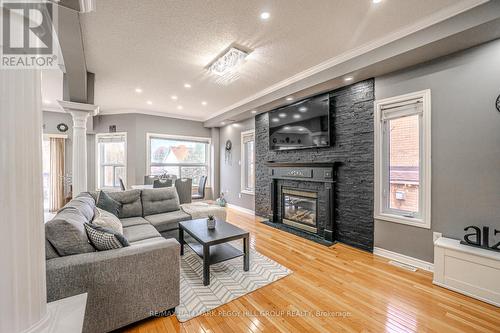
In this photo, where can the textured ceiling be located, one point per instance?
(160, 45)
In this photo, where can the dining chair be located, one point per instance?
(149, 179)
(201, 189)
(184, 187)
(158, 183)
(122, 185)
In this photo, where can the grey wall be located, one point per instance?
(230, 168)
(465, 146)
(136, 126)
(351, 122)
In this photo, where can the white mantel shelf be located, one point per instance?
(469, 270)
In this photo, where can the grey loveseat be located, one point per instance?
(123, 285)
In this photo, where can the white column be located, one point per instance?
(22, 252)
(80, 113)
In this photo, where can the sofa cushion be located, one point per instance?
(130, 221)
(139, 232)
(50, 252)
(66, 232)
(84, 203)
(131, 203)
(168, 221)
(159, 200)
(107, 220)
(105, 239)
(106, 202)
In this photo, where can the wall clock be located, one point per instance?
(498, 103)
(62, 127)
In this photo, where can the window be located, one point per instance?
(403, 159)
(248, 162)
(184, 157)
(111, 159)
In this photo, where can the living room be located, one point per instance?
(230, 166)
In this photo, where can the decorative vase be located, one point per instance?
(211, 223)
(221, 201)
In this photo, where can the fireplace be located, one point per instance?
(300, 209)
(303, 197)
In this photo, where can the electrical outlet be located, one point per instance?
(435, 236)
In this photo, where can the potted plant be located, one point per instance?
(211, 222)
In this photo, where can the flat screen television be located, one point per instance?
(304, 124)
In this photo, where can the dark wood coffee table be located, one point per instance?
(212, 245)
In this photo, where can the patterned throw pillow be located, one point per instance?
(104, 201)
(104, 239)
(107, 220)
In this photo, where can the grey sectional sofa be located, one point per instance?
(123, 285)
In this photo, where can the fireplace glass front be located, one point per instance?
(299, 209)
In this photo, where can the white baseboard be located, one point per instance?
(426, 266)
(241, 209)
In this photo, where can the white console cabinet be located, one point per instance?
(472, 271)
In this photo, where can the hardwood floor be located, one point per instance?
(334, 289)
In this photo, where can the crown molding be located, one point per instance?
(150, 113)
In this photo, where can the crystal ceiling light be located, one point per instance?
(228, 61)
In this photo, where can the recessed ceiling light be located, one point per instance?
(286, 128)
(187, 85)
(229, 61)
(174, 97)
(301, 129)
(302, 109)
(203, 103)
(282, 115)
(253, 111)
(289, 98)
(236, 125)
(275, 120)
(149, 102)
(138, 90)
(349, 78)
(265, 15)
(376, 1)
(179, 107)
(223, 123)
(297, 116)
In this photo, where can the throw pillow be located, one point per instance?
(107, 203)
(107, 220)
(104, 239)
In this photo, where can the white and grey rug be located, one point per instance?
(228, 281)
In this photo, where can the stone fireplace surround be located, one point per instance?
(351, 125)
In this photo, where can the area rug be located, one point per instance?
(228, 281)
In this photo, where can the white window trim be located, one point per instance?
(97, 157)
(425, 169)
(182, 137)
(243, 162)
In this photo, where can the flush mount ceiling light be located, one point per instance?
(376, 1)
(204, 103)
(265, 15)
(289, 99)
(296, 116)
(138, 90)
(149, 102)
(187, 85)
(173, 97)
(347, 79)
(227, 62)
(179, 107)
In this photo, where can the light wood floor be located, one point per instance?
(335, 289)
